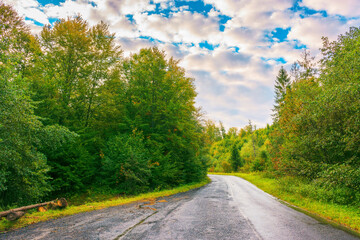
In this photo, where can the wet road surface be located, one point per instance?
(227, 208)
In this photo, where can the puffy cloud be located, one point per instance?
(122, 27)
(30, 9)
(310, 30)
(131, 45)
(124, 7)
(69, 8)
(245, 9)
(233, 105)
(35, 29)
(218, 60)
(184, 27)
(350, 8)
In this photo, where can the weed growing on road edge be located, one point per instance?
(306, 197)
(35, 217)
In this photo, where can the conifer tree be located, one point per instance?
(282, 83)
(235, 159)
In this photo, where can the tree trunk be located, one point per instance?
(12, 216)
(17, 212)
(3, 214)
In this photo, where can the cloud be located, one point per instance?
(124, 7)
(244, 8)
(69, 8)
(186, 27)
(310, 30)
(35, 29)
(29, 9)
(131, 45)
(220, 59)
(349, 8)
(233, 105)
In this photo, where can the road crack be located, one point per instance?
(134, 226)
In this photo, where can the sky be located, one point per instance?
(232, 48)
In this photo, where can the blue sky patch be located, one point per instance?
(160, 11)
(130, 17)
(36, 22)
(278, 60)
(280, 33)
(207, 45)
(223, 19)
(299, 45)
(305, 11)
(195, 6)
(234, 49)
(153, 40)
(55, 2)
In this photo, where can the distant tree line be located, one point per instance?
(76, 115)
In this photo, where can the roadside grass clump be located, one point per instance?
(336, 205)
(33, 216)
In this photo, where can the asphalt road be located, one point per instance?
(227, 208)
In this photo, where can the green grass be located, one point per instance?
(307, 198)
(33, 217)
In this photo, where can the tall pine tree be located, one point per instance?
(282, 83)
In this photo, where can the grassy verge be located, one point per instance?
(34, 217)
(301, 196)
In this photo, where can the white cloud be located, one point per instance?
(30, 9)
(233, 105)
(349, 8)
(69, 8)
(35, 29)
(244, 8)
(122, 27)
(19, 4)
(180, 27)
(123, 7)
(131, 45)
(36, 15)
(310, 30)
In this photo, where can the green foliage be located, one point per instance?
(244, 149)
(317, 133)
(76, 62)
(126, 165)
(261, 162)
(23, 138)
(319, 122)
(166, 116)
(235, 159)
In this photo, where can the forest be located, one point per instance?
(76, 116)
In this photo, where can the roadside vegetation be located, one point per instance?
(310, 155)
